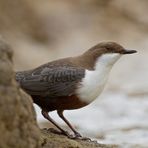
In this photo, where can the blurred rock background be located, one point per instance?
(41, 31)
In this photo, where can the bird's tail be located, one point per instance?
(19, 76)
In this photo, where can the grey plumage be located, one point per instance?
(50, 82)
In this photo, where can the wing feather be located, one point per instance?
(51, 82)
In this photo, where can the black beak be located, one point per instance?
(129, 51)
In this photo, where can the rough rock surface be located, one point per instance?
(49, 139)
(18, 126)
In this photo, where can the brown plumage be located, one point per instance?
(53, 85)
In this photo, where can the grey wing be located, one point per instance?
(51, 82)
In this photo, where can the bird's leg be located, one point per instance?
(77, 135)
(60, 113)
(45, 114)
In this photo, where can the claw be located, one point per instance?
(86, 139)
(83, 138)
(65, 133)
(78, 135)
(60, 132)
(53, 130)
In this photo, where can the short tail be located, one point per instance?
(18, 76)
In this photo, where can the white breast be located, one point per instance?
(94, 81)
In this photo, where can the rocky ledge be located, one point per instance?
(50, 139)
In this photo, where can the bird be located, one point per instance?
(71, 83)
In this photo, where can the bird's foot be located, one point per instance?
(80, 137)
(76, 136)
(54, 131)
(66, 134)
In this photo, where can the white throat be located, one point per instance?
(94, 81)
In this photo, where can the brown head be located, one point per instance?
(106, 52)
(108, 47)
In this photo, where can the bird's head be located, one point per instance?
(108, 52)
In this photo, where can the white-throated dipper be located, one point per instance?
(71, 83)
